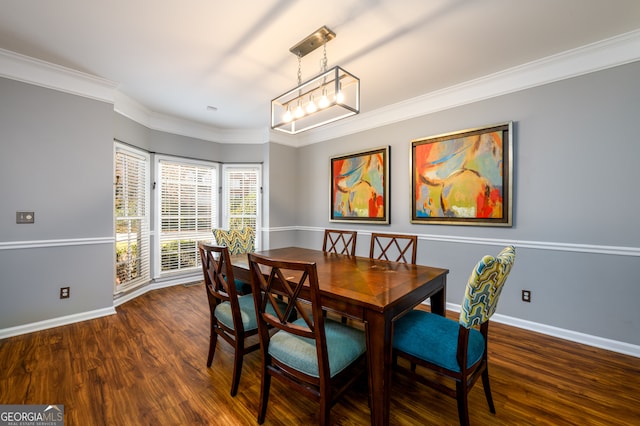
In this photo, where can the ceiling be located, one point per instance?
(176, 58)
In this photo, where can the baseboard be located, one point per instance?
(156, 284)
(55, 322)
(572, 336)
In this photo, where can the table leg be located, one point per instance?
(379, 351)
(439, 299)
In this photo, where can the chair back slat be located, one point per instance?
(394, 247)
(484, 287)
(340, 241)
(218, 272)
(285, 282)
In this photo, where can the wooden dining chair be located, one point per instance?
(340, 241)
(238, 241)
(456, 349)
(233, 316)
(313, 355)
(394, 247)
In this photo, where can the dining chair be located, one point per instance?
(340, 241)
(239, 241)
(313, 355)
(233, 316)
(456, 349)
(394, 247)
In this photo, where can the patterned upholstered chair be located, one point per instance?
(314, 356)
(457, 350)
(238, 242)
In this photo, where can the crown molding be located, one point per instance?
(40, 73)
(176, 125)
(608, 53)
(133, 110)
(604, 54)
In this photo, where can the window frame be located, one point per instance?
(225, 214)
(158, 160)
(144, 233)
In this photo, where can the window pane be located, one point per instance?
(131, 199)
(241, 198)
(188, 200)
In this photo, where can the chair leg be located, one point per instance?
(325, 408)
(237, 370)
(487, 390)
(213, 339)
(264, 396)
(463, 406)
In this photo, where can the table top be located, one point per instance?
(369, 283)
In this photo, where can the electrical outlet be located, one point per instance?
(25, 217)
(526, 296)
(65, 292)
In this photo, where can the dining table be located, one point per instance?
(375, 292)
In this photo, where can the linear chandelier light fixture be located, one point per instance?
(331, 95)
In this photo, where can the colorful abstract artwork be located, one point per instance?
(463, 178)
(360, 186)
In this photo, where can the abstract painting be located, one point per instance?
(360, 186)
(463, 178)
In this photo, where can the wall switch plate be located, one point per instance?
(25, 217)
(526, 296)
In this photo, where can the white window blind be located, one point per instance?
(187, 214)
(131, 218)
(241, 200)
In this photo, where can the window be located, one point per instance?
(241, 200)
(187, 200)
(131, 200)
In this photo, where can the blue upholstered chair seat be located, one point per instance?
(242, 287)
(344, 345)
(434, 339)
(247, 312)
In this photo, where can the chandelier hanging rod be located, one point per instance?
(314, 40)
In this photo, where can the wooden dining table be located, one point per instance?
(375, 292)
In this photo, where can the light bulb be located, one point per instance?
(287, 117)
(340, 95)
(299, 112)
(311, 106)
(324, 102)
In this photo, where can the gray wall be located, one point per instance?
(56, 158)
(56, 155)
(576, 183)
(576, 154)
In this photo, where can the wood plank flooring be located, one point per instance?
(147, 366)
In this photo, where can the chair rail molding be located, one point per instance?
(19, 245)
(540, 245)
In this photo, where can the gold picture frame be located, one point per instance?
(360, 186)
(464, 178)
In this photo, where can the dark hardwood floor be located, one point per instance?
(147, 366)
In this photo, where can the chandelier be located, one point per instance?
(331, 95)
